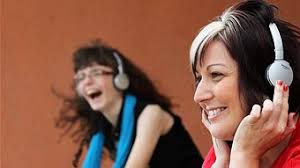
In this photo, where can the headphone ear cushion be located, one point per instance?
(279, 70)
(121, 81)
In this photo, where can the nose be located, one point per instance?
(87, 80)
(203, 92)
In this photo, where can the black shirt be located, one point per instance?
(175, 149)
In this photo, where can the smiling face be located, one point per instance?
(217, 91)
(95, 84)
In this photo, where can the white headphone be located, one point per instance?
(121, 80)
(279, 69)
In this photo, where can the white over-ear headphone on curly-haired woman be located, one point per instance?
(279, 69)
(121, 80)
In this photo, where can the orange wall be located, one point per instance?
(38, 37)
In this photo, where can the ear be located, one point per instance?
(291, 123)
(295, 115)
(77, 91)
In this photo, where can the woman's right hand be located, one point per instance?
(221, 148)
(222, 151)
(266, 126)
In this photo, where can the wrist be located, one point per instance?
(221, 164)
(242, 159)
(223, 160)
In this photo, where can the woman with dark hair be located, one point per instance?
(246, 65)
(120, 110)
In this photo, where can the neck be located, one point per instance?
(272, 155)
(112, 114)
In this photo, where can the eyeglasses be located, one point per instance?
(92, 74)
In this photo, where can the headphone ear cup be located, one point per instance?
(279, 70)
(121, 81)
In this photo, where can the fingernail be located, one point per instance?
(285, 87)
(279, 82)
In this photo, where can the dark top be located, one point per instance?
(175, 149)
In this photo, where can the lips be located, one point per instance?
(212, 113)
(93, 94)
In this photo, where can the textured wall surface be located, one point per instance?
(38, 37)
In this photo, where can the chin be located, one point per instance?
(96, 107)
(222, 135)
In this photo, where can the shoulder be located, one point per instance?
(210, 158)
(152, 112)
(153, 115)
(290, 157)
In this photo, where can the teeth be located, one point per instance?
(214, 112)
(89, 92)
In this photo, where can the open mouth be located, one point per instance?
(95, 95)
(212, 113)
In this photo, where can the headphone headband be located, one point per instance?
(121, 80)
(118, 59)
(277, 41)
(280, 69)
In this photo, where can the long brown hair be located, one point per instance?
(77, 111)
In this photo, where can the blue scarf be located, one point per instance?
(93, 156)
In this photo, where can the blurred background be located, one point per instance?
(39, 36)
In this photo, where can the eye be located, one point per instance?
(78, 78)
(97, 73)
(197, 80)
(216, 76)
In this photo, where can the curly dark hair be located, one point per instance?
(76, 110)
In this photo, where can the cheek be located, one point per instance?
(228, 93)
(227, 90)
(107, 84)
(78, 90)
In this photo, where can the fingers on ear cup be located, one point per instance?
(121, 81)
(279, 70)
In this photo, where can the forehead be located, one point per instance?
(93, 67)
(215, 54)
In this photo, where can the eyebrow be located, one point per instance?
(97, 69)
(217, 64)
(100, 68)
